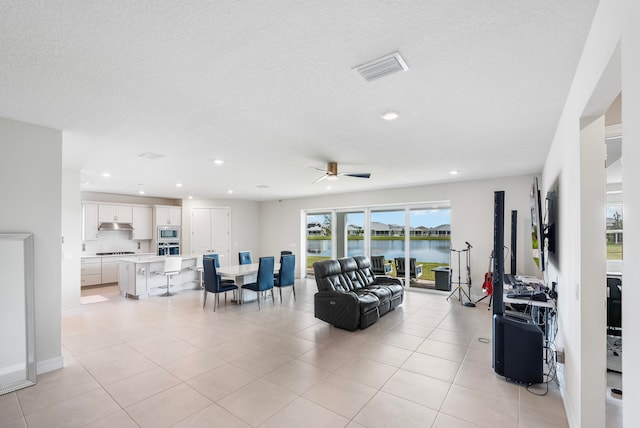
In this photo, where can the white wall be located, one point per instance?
(471, 217)
(31, 173)
(244, 225)
(71, 248)
(631, 180)
(577, 166)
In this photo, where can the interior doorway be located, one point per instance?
(615, 257)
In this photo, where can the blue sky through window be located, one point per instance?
(418, 217)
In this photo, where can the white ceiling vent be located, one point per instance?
(151, 155)
(383, 66)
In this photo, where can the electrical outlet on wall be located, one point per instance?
(560, 356)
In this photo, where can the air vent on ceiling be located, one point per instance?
(151, 155)
(383, 66)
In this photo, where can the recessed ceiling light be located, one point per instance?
(218, 161)
(86, 183)
(229, 191)
(141, 192)
(390, 115)
(454, 172)
(190, 197)
(178, 184)
(328, 187)
(106, 174)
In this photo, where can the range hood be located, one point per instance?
(115, 226)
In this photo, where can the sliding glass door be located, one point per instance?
(421, 232)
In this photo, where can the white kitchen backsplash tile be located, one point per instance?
(115, 240)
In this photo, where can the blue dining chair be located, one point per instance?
(212, 283)
(264, 281)
(286, 277)
(244, 258)
(216, 258)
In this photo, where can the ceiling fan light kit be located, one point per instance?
(331, 173)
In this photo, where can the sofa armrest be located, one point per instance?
(337, 308)
(384, 280)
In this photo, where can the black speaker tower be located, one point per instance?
(517, 344)
(514, 240)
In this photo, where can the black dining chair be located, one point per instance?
(244, 258)
(212, 283)
(264, 281)
(286, 276)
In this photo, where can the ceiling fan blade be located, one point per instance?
(321, 178)
(319, 169)
(356, 174)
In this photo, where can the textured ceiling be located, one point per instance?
(268, 86)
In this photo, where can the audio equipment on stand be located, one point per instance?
(517, 343)
(459, 285)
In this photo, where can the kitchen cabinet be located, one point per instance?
(89, 222)
(109, 270)
(140, 278)
(90, 271)
(128, 283)
(117, 213)
(142, 223)
(168, 216)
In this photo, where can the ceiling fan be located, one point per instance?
(331, 173)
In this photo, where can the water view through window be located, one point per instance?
(429, 240)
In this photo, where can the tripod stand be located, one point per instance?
(459, 285)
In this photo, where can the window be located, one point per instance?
(420, 231)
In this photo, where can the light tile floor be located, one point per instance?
(166, 362)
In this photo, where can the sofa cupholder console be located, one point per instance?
(350, 295)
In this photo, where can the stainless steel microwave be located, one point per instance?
(168, 233)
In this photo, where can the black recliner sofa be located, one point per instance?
(350, 295)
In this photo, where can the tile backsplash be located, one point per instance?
(115, 240)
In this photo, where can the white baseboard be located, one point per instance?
(49, 365)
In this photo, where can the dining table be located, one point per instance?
(244, 274)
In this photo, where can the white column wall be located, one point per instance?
(31, 173)
(631, 181)
(471, 217)
(72, 246)
(590, 95)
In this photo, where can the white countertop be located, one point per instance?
(153, 259)
(95, 256)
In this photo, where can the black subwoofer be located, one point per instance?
(518, 349)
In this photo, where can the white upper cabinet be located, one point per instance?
(89, 222)
(117, 213)
(142, 223)
(168, 216)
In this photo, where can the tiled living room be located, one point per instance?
(166, 362)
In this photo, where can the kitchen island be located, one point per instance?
(139, 278)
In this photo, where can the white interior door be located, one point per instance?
(210, 232)
(220, 233)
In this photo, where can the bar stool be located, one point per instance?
(199, 268)
(172, 266)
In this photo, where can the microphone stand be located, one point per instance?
(469, 304)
